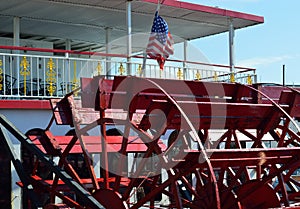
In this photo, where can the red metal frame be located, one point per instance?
(217, 173)
(213, 10)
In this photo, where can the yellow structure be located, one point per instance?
(198, 76)
(99, 68)
(139, 69)
(179, 74)
(232, 78)
(51, 77)
(249, 80)
(215, 76)
(24, 71)
(121, 69)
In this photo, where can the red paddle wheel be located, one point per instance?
(174, 144)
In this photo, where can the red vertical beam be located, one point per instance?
(283, 190)
(258, 172)
(76, 121)
(175, 191)
(122, 158)
(104, 156)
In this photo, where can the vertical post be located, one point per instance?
(68, 47)
(108, 50)
(143, 73)
(255, 77)
(284, 193)
(231, 47)
(16, 191)
(283, 75)
(185, 45)
(104, 155)
(129, 41)
(66, 72)
(16, 31)
(16, 42)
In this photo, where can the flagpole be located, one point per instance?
(145, 54)
(142, 74)
(160, 45)
(158, 5)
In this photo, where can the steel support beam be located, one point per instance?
(129, 38)
(68, 47)
(231, 47)
(185, 48)
(16, 42)
(108, 50)
(16, 31)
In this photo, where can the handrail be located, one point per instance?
(245, 69)
(54, 75)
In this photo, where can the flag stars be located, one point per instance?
(160, 44)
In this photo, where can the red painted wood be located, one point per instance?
(224, 158)
(25, 104)
(93, 144)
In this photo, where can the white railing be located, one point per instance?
(43, 76)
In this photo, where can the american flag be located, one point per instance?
(160, 45)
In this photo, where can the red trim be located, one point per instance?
(113, 55)
(23, 48)
(25, 104)
(207, 9)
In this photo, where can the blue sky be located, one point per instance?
(265, 47)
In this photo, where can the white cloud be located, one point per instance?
(259, 61)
